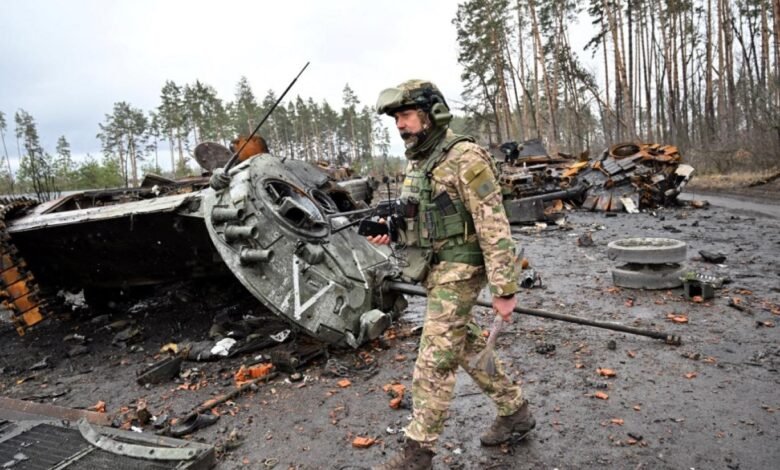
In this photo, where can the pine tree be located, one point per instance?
(171, 116)
(8, 178)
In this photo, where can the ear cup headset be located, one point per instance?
(434, 104)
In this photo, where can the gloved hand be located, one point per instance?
(219, 180)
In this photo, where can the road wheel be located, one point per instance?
(647, 250)
(643, 276)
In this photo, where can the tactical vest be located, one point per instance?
(430, 223)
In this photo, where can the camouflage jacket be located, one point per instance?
(467, 173)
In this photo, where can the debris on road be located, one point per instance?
(99, 407)
(710, 257)
(650, 263)
(625, 177)
(679, 319)
(160, 372)
(396, 392)
(363, 442)
(247, 374)
(604, 372)
(191, 423)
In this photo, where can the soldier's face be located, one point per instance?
(411, 124)
(408, 122)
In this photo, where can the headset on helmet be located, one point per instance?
(418, 94)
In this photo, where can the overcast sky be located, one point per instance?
(67, 62)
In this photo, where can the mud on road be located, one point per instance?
(710, 403)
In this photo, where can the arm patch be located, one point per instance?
(479, 180)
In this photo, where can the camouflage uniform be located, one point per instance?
(450, 338)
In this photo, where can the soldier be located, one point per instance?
(455, 234)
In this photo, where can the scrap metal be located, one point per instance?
(625, 177)
(667, 337)
(19, 290)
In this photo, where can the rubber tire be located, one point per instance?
(651, 277)
(647, 250)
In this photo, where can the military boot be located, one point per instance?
(412, 456)
(504, 428)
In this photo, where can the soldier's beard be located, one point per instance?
(413, 139)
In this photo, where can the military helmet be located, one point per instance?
(419, 94)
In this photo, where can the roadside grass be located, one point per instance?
(739, 179)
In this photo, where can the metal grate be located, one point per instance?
(5, 426)
(44, 446)
(102, 459)
(47, 447)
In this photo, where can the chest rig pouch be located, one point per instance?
(431, 220)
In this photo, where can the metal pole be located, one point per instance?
(233, 158)
(412, 289)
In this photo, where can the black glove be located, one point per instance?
(219, 180)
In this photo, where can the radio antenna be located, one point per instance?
(233, 158)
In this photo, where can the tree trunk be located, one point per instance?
(630, 65)
(552, 145)
(764, 45)
(776, 84)
(522, 76)
(122, 162)
(682, 132)
(648, 74)
(181, 151)
(173, 158)
(622, 95)
(709, 99)
(133, 163)
(502, 97)
(607, 128)
(8, 162)
(729, 60)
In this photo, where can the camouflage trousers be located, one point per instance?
(450, 339)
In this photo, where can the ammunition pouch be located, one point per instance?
(430, 221)
(467, 253)
(418, 263)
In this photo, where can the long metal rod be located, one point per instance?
(412, 289)
(232, 160)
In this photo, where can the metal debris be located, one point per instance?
(626, 177)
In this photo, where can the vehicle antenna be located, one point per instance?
(233, 158)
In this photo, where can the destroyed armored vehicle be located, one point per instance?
(282, 228)
(625, 177)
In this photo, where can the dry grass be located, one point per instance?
(731, 180)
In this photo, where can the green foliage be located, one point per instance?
(6, 175)
(244, 112)
(92, 174)
(36, 167)
(124, 134)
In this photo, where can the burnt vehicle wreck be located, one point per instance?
(625, 177)
(278, 228)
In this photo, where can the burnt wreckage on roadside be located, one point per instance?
(277, 227)
(625, 177)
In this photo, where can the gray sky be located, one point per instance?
(67, 62)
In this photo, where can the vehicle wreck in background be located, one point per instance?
(626, 177)
(276, 228)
